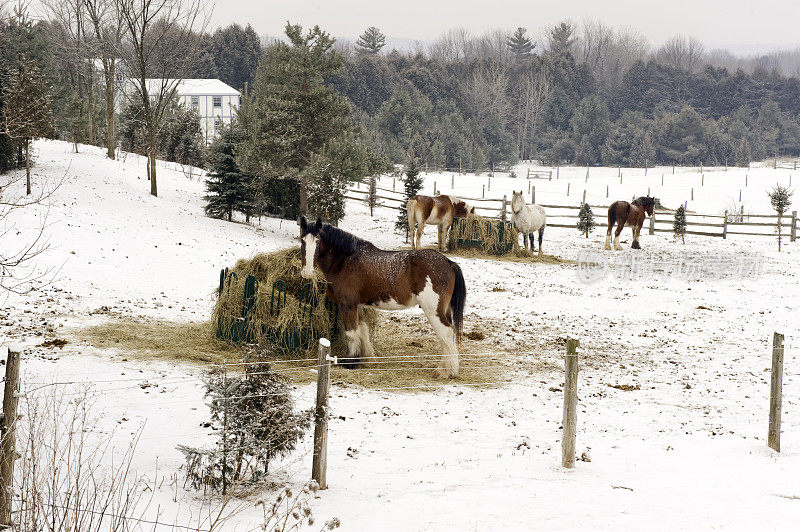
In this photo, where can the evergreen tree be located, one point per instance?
(228, 187)
(780, 198)
(520, 45)
(742, 153)
(292, 115)
(679, 224)
(586, 221)
(371, 41)
(254, 418)
(412, 183)
(561, 39)
(235, 52)
(643, 152)
(26, 108)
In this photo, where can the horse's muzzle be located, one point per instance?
(307, 273)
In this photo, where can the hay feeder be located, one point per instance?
(483, 234)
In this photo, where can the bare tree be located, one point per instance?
(160, 47)
(487, 91)
(69, 16)
(609, 52)
(537, 88)
(451, 47)
(681, 53)
(107, 28)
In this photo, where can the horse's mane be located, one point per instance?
(643, 201)
(341, 239)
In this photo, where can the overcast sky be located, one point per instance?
(744, 26)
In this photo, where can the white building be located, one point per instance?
(214, 101)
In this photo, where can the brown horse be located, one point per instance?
(439, 210)
(631, 214)
(358, 273)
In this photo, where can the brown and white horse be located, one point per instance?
(631, 214)
(357, 273)
(439, 210)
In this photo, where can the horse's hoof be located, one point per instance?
(442, 374)
(349, 363)
(607, 247)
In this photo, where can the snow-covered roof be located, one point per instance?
(196, 87)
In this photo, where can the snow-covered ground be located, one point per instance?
(684, 450)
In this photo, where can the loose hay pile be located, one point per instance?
(486, 235)
(264, 324)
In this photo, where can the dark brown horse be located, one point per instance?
(358, 273)
(439, 210)
(631, 214)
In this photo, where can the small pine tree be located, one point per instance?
(679, 224)
(586, 221)
(228, 187)
(412, 182)
(371, 41)
(781, 199)
(27, 113)
(255, 420)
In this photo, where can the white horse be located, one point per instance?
(527, 219)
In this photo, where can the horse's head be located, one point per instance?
(647, 203)
(517, 201)
(309, 245)
(461, 208)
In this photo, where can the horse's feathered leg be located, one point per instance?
(525, 241)
(411, 216)
(636, 230)
(541, 237)
(367, 350)
(611, 220)
(352, 335)
(437, 311)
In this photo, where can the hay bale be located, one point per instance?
(483, 233)
(264, 325)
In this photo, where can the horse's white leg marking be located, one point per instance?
(420, 227)
(429, 301)
(608, 241)
(311, 248)
(616, 243)
(366, 343)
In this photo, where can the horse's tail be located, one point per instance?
(612, 210)
(457, 300)
(411, 215)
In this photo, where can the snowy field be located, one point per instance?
(684, 449)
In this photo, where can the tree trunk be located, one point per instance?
(110, 138)
(153, 184)
(28, 171)
(303, 196)
(90, 102)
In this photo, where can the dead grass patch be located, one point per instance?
(407, 352)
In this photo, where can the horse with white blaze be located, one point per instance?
(357, 273)
(527, 219)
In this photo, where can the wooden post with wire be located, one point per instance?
(8, 427)
(776, 393)
(652, 230)
(533, 198)
(320, 463)
(725, 226)
(793, 229)
(570, 419)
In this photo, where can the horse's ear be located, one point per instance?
(303, 224)
(319, 224)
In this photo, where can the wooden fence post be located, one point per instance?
(435, 193)
(505, 203)
(320, 463)
(653, 223)
(745, 179)
(584, 197)
(557, 169)
(567, 188)
(8, 427)
(775, 393)
(483, 191)
(393, 180)
(662, 180)
(452, 181)
(529, 187)
(725, 226)
(570, 419)
(533, 195)
(489, 184)
(587, 175)
(606, 190)
(702, 180)
(528, 174)
(740, 195)
(793, 229)
(692, 193)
